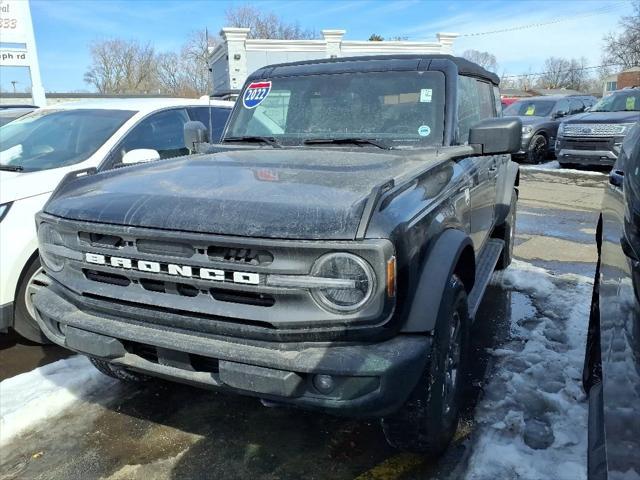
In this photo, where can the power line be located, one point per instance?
(564, 70)
(598, 11)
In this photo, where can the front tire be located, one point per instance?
(538, 149)
(24, 321)
(428, 420)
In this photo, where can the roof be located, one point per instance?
(411, 61)
(556, 91)
(137, 104)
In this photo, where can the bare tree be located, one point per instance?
(121, 66)
(565, 73)
(186, 74)
(265, 25)
(376, 38)
(623, 48)
(484, 59)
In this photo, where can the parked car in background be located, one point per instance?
(595, 137)
(10, 113)
(39, 149)
(506, 101)
(612, 360)
(541, 117)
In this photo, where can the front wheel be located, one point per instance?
(25, 314)
(428, 420)
(538, 149)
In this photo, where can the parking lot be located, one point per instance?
(164, 430)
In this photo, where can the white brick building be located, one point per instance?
(237, 56)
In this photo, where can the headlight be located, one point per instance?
(352, 295)
(527, 129)
(48, 237)
(4, 208)
(624, 128)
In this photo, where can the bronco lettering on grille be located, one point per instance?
(173, 269)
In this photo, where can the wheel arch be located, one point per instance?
(452, 253)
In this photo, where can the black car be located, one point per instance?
(612, 363)
(329, 254)
(595, 137)
(540, 118)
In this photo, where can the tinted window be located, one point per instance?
(576, 106)
(530, 108)
(55, 138)
(396, 107)
(562, 106)
(627, 100)
(163, 132)
(219, 118)
(475, 103)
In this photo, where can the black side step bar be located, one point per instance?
(484, 268)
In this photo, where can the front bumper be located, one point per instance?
(370, 379)
(588, 151)
(6, 316)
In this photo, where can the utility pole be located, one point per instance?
(13, 82)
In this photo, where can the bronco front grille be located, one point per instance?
(204, 280)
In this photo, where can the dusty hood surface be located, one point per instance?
(277, 193)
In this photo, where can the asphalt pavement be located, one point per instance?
(163, 430)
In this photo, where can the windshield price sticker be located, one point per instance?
(255, 93)
(531, 109)
(424, 130)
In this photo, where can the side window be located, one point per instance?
(497, 100)
(162, 131)
(475, 103)
(219, 118)
(576, 106)
(562, 106)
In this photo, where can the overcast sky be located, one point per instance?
(65, 28)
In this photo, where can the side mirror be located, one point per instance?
(195, 132)
(140, 155)
(497, 135)
(587, 109)
(560, 114)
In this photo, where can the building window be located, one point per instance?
(611, 86)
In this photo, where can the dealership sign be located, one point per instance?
(18, 44)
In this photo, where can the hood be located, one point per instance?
(605, 117)
(18, 185)
(531, 120)
(277, 193)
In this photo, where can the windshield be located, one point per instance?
(396, 108)
(625, 101)
(56, 138)
(529, 108)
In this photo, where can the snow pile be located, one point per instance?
(555, 165)
(44, 392)
(532, 420)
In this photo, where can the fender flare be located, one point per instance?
(440, 264)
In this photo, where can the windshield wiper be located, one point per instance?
(338, 141)
(11, 168)
(268, 140)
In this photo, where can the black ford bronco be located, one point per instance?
(329, 253)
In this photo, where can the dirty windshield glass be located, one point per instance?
(56, 138)
(528, 108)
(395, 108)
(625, 101)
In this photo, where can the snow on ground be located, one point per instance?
(532, 420)
(42, 393)
(555, 165)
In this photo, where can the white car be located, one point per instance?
(39, 149)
